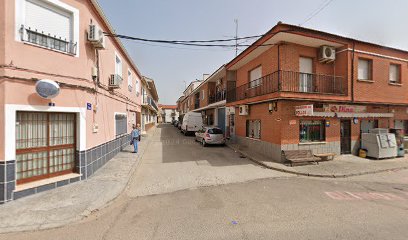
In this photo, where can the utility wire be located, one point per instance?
(317, 11)
(189, 43)
(184, 41)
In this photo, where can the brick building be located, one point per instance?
(298, 88)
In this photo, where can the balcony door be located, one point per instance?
(305, 74)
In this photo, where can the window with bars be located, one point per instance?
(312, 131)
(253, 129)
(45, 145)
(121, 124)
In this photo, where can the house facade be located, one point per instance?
(168, 113)
(298, 88)
(68, 94)
(150, 107)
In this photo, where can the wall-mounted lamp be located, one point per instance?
(273, 106)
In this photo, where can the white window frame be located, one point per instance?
(118, 71)
(20, 13)
(255, 82)
(130, 80)
(398, 73)
(369, 76)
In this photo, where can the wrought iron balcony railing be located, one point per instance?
(42, 39)
(218, 96)
(289, 81)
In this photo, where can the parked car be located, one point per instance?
(210, 135)
(192, 122)
(179, 125)
(175, 123)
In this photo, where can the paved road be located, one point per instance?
(275, 207)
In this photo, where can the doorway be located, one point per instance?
(345, 136)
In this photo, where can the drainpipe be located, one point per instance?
(352, 72)
(279, 68)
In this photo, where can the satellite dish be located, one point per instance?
(47, 89)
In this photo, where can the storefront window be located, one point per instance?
(253, 129)
(312, 131)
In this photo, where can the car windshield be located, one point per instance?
(214, 131)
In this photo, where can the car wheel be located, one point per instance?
(204, 143)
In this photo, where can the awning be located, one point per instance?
(350, 115)
(211, 106)
(365, 115)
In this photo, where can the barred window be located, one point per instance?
(253, 129)
(121, 124)
(312, 131)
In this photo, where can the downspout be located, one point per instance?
(279, 68)
(352, 72)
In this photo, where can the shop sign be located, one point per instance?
(304, 110)
(345, 108)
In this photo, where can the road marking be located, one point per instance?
(347, 196)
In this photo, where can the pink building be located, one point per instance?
(46, 143)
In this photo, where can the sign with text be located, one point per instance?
(345, 108)
(304, 110)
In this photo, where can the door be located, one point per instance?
(45, 145)
(305, 74)
(345, 136)
(221, 119)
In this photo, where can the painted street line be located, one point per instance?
(348, 196)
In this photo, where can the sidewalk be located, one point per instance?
(341, 167)
(71, 203)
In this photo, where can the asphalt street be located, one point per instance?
(184, 191)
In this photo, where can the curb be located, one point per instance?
(88, 211)
(312, 174)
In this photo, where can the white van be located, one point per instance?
(192, 122)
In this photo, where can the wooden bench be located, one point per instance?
(325, 156)
(300, 156)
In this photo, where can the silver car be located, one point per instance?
(210, 135)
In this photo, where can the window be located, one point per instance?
(215, 131)
(203, 94)
(121, 124)
(395, 73)
(365, 69)
(255, 77)
(130, 79)
(118, 66)
(312, 131)
(48, 25)
(253, 129)
(137, 86)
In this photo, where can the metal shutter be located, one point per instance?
(48, 19)
(121, 124)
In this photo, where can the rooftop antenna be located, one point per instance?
(236, 37)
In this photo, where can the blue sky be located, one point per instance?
(379, 21)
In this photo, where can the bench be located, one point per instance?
(325, 156)
(300, 156)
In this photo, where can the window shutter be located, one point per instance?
(363, 69)
(394, 73)
(48, 19)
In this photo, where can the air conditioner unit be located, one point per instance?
(115, 81)
(327, 54)
(243, 110)
(96, 37)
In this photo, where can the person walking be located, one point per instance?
(135, 138)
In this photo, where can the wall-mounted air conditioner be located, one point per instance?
(96, 36)
(115, 81)
(327, 54)
(243, 110)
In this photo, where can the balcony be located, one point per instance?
(217, 97)
(148, 101)
(32, 36)
(291, 82)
